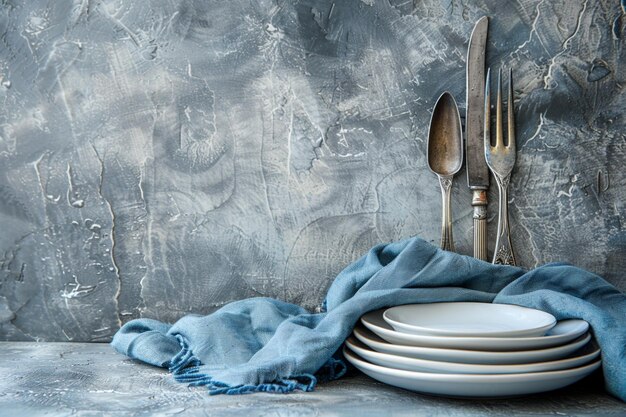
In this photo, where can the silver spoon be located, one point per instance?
(445, 156)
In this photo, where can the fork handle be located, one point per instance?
(479, 201)
(503, 253)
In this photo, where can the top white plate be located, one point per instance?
(565, 331)
(469, 320)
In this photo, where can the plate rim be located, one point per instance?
(476, 356)
(548, 321)
(469, 377)
(590, 356)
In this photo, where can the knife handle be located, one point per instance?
(479, 201)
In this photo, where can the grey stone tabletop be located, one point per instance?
(91, 379)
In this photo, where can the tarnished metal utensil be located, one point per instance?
(445, 156)
(477, 172)
(501, 160)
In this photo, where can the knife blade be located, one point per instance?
(477, 171)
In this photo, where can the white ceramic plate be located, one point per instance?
(563, 332)
(581, 357)
(470, 356)
(469, 320)
(464, 385)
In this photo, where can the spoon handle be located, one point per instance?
(445, 181)
(503, 253)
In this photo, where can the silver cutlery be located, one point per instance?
(477, 171)
(445, 156)
(501, 160)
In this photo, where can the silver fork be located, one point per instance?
(501, 160)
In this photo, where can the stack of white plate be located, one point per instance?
(472, 349)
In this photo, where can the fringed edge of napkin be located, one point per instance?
(185, 367)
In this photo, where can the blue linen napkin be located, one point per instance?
(261, 344)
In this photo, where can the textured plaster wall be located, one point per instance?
(165, 157)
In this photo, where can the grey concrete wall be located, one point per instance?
(165, 157)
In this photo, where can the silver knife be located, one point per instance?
(477, 171)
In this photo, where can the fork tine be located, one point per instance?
(487, 121)
(499, 133)
(511, 115)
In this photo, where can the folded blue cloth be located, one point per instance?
(268, 345)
